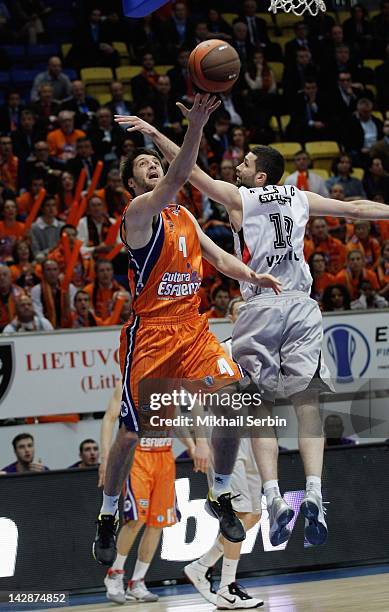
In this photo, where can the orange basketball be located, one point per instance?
(214, 66)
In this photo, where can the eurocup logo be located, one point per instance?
(349, 350)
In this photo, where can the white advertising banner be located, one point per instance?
(76, 371)
(356, 345)
(62, 372)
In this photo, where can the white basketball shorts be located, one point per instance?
(278, 340)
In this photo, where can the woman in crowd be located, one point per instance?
(23, 269)
(238, 147)
(65, 194)
(321, 278)
(336, 298)
(11, 230)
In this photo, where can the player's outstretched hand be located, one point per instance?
(135, 124)
(269, 281)
(202, 108)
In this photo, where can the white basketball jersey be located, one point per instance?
(271, 240)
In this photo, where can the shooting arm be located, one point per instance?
(357, 209)
(219, 191)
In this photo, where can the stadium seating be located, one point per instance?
(122, 50)
(288, 150)
(278, 70)
(323, 151)
(278, 124)
(97, 80)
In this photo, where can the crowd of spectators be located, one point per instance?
(24, 448)
(61, 197)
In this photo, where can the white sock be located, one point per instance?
(271, 490)
(140, 570)
(119, 562)
(314, 483)
(110, 504)
(221, 484)
(212, 555)
(228, 572)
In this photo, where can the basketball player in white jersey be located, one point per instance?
(277, 339)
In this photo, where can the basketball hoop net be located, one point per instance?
(298, 7)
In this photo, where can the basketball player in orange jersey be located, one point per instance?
(167, 338)
(277, 338)
(149, 500)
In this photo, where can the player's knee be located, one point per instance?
(249, 519)
(134, 525)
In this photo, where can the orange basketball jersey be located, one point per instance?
(165, 275)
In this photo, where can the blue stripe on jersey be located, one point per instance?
(128, 412)
(143, 260)
(130, 509)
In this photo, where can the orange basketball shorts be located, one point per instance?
(180, 348)
(149, 493)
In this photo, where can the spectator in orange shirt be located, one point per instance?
(10, 230)
(23, 268)
(83, 315)
(355, 272)
(321, 278)
(333, 250)
(9, 164)
(9, 294)
(220, 300)
(383, 270)
(62, 142)
(103, 290)
(363, 241)
(83, 269)
(26, 200)
(336, 298)
(113, 195)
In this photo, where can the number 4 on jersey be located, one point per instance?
(182, 246)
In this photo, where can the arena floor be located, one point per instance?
(359, 589)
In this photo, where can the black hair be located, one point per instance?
(127, 166)
(270, 161)
(87, 441)
(337, 160)
(22, 436)
(78, 292)
(326, 299)
(65, 227)
(217, 289)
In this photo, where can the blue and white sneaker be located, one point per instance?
(280, 514)
(312, 508)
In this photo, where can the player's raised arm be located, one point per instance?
(219, 191)
(357, 209)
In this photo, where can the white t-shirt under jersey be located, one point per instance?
(271, 240)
